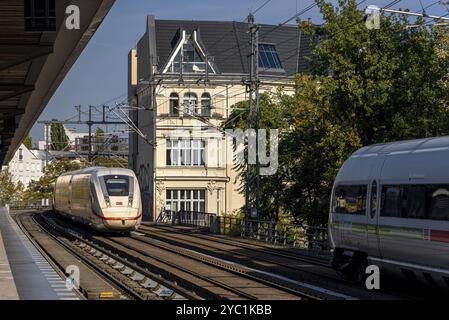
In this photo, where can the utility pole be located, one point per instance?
(89, 123)
(253, 90)
(298, 21)
(256, 85)
(78, 109)
(46, 144)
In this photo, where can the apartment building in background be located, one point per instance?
(106, 145)
(184, 79)
(25, 166)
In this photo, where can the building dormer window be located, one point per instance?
(174, 104)
(20, 154)
(205, 105)
(189, 57)
(268, 57)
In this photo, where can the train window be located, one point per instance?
(373, 199)
(350, 199)
(414, 201)
(439, 202)
(116, 185)
(390, 201)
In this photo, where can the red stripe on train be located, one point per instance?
(439, 236)
(117, 218)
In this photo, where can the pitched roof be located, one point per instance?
(228, 43)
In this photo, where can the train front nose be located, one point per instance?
(121, 212)
(120, 215)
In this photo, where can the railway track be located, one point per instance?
(287, 272)
(208, 277)
(257, 285)
(222, 246)
(159, 263)
(282, 261)
(134, 282)
(273, 250)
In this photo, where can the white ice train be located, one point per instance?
(107, 199)
(390, 208)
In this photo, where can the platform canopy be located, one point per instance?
(36, 52)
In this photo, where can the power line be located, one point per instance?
(261, 7)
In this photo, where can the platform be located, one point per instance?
(25, 274)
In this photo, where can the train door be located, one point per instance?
(69, 198)
(373, 208)
(372, 220)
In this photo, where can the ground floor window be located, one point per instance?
(186, 200)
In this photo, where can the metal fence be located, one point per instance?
(277, 233)
(39, 205)
(185, 218)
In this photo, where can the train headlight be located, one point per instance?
(108, 202)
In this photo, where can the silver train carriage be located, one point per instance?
(107, 199)
(390, 208)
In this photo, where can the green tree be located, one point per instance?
(44, 187)
(367, 86)
(311, 149)
(28, 142)
(384, 81)
(10, 192)
(273, 117)
(59, 138)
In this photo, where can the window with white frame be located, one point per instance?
(174, 104)
(185, 200)
(190, 103)
(186, 152)
(205, 104)
(268, 57)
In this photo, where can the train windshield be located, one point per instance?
(117, 186)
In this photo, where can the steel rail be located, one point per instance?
(128, 264)
(263, 249)
(167, 237)
(100, 241)
(121, 286)
(191, 272)
(232, 268)
(47, 257)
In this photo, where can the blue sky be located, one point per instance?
(100, 74)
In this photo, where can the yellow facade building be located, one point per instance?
(184, 79)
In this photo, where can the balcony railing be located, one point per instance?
(185, 218)
(311, 238)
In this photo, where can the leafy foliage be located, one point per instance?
(28, 142)
(367, 86)
(10, 192)
(59, 138)
(43, 188)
